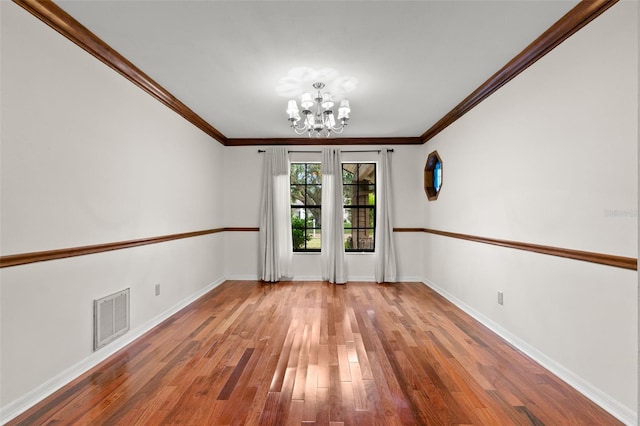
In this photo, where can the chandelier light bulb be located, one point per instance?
(327, 101)
(344, 110)
(306, 101)
(292, 108)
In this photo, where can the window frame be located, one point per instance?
(305, 206)
(372, 207)
(357, 207)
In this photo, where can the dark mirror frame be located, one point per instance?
(429, 170)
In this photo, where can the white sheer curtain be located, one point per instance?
(332, 252)
(385, 250)
(275, 218)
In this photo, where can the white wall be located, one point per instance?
(89, 158)
(242, 202)
(551, 158)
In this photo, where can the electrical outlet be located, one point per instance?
(500, 298)
(157, 289)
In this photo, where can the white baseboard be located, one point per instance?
(319, 278)
(410, 280)
(614, 407)
(307, 278)
(20, 405)
(369, 278)
(242, 278)
(372, 278)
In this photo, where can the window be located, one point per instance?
(433, 176)
(359, 209)
(306, 204)
(359, 187)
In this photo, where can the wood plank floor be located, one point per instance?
(306, 353)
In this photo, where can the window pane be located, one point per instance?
(313, 239)
(367, 173)
(314, 195)
(314, 174)
(366, 218)
(298, 231)
(366, 195)
(298, 174)
(297, 194)
(354, 217)
(348, 218)
(363, 239)
(314, 218)
(349, 194)
(368, 214)
(348, 173)
(372, 198)
(348, 239)
(359, 217)
(297, 238)
(297, 217)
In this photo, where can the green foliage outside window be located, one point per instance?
(298, 234)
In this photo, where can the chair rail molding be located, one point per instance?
(587, 256)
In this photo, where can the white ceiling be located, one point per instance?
(414, 60)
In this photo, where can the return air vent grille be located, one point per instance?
(110, 318)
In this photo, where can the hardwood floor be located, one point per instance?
(315, 353)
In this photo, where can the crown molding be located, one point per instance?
(323, 141)
(54, 16)
(583, 13)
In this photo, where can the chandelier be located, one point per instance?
(318, 121)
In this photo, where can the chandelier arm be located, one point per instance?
(294, 127)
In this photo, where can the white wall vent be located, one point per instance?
(110, 318)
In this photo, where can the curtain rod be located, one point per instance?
(319, 152)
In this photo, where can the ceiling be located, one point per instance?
(413, 60)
